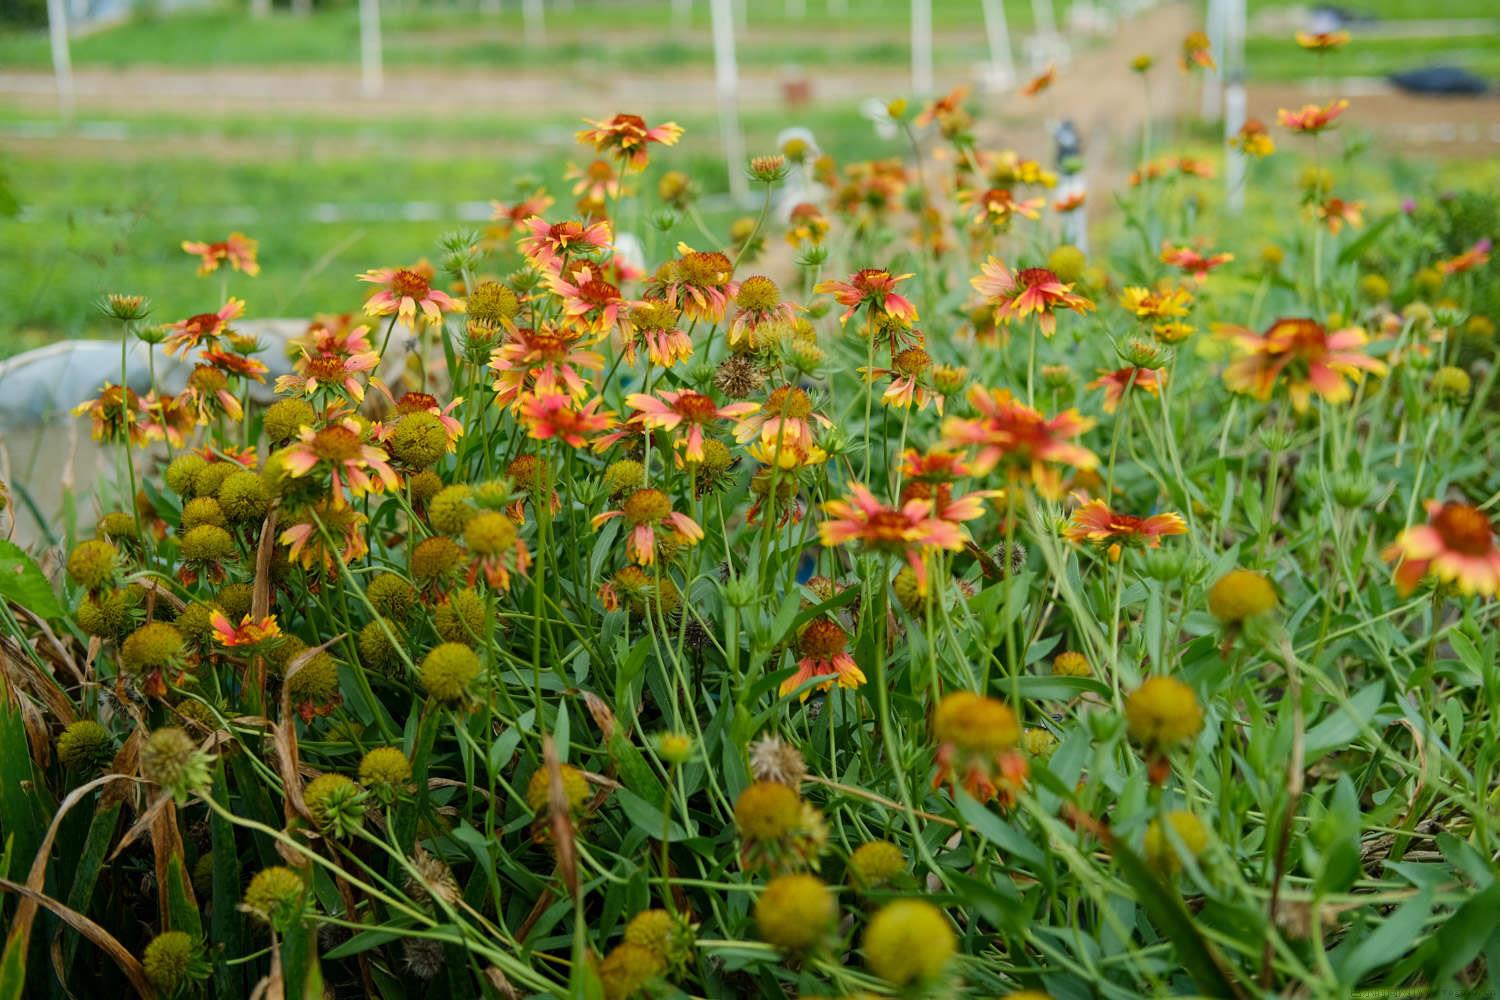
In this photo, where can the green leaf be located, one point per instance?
(180, 907)
(1171, 917)
(1344, 723)
(1390, 939)
(1060, 688)
(648, 817)
(1366, 240)
(995, 830)
(22, 582)
(1460, 939)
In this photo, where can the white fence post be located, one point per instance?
(726, 80)
(371, 70)
(62, 60)
(1002, 70)
(533, 24)
(921, 48)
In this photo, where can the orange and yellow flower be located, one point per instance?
(1456, 545)
(625, 137)
(687, 412)
(236, 249)
(1477, 255)
(806, 225)
(1197, 52)
(698, 284)
(345, 527)
(654, 323)
(785, 421)
(824, 649)
(1311, 118)
(1095, 523)
(1305, 356)
(644, 511)
(404, 291)
(546, 244)
(542, 362)
(1116, 383)
(115, 414)
(351, 462)
(1254, 139)
(204, 329)
(588, 300)
(1335, 213)
(1192, 262)
(336, 370)
(1030, 291)
(1040, 82)
(558, 415)
(998, 207)
(875, 289)
(909, 531)
(1009, 434)
(249, 632)
(1322, 41)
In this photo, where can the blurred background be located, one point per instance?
(344, 135)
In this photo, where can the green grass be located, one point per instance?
(643, 37)
(94, 221)
(1399, 10)
(1283, 59)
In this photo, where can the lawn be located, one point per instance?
(94, 220)
(641, 34)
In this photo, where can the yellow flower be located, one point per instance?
(795, 912)
(1161, 854)
(1163, 712)
(908, 941)
(1240, 594)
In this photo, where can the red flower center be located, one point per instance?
(203, 323)
(416, 402)
(324, 368)
(598, 293)
(1464, 529)
(887, 527)
(1034, 276)
(407, 282)
(696, 408)
(822, 640)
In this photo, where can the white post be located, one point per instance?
(260, 8)
(726, 82)
(1213, 79)
(533, 27)
(371, 72)
(62, 60)
(838, 8)
(681, 11)
(1002, 72)
(1046, 22)
(796, 8)
(921, 48)
(1234, 102)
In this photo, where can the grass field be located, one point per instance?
(95, 221)
(104, 206)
